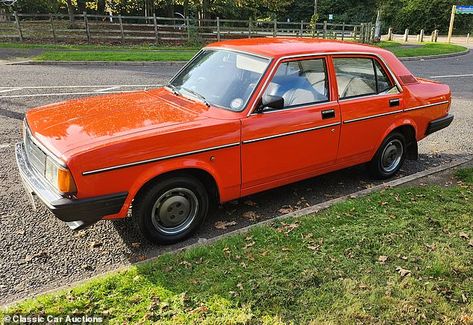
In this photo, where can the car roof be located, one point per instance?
(278, 47)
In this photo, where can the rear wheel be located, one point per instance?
(389, 157)
(171, 209)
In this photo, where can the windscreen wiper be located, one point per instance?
(174, 89)
(201, 97)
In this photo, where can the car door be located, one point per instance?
(290, 143)
(369, 102)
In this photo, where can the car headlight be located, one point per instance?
(59, 177)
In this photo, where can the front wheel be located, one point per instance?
(170, 210)
(389, 157)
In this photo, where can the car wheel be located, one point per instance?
(170, 210)
(389, 157)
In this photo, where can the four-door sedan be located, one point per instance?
(241, 117)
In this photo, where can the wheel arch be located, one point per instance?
(204, 176)
(408, 128)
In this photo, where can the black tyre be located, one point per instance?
(171, 209)
(389, 157)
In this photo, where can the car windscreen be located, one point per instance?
(222, 78)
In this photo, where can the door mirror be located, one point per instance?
(269, 101)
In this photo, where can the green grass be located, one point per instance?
(342, 265)
(95, 46)
(148, 52)
(424, 49)
(115, 55)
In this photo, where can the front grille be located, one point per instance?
(36, 157)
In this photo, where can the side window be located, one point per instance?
(384, 83)
(360, 77)
(300, 83)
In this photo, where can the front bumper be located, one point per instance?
(77, 213)
(439, 124)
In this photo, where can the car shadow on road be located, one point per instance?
(273, 203)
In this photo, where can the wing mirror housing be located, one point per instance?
(272, 102)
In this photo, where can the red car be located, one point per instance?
(241, 117)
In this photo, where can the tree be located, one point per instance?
(70, 12)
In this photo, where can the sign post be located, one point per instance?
(461, 10)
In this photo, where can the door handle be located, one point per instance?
(330, 113)
(394, 102)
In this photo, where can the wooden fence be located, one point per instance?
(138, 29)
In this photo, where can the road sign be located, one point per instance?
(465, 10)
(330, 17)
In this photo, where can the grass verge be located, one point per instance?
(424, 49)
(153, 47)
(169, 55)
(402, 255)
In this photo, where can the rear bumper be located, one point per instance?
(439, 124)
(77, 213)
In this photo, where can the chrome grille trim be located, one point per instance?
(36, 156)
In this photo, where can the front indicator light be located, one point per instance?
(65, 181)
(59, 177)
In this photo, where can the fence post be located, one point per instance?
(188, 25)
(18, 27)
(406, 35)
(467, 38)
(354, 33)
(120, 21)
(156, 30)
(250, 22)
(390, 34)
(325, 29)
(421, 36)
(302, 28)
(218, 29)
(275, 28)
(86, 23)
(53, 31)
(343, 31)
(436, 35)
(372, 33)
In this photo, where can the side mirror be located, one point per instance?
(269, 101)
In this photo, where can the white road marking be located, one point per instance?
(7, 90)
(453, 76)
(65, 94)
(80, 86)
(106, 89)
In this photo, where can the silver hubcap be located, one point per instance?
(392, 154)
(174, 211)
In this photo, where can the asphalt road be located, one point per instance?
(39, 252)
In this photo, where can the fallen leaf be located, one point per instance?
(402, 272)
(186, 264)
(250, 215)
(201, 309)
(464, 235)
(250, 203)
(313, 247)
(431, 247)
(240, 286)
(249, 245)
(224, 224)
(286, 209)
(95, 244)
(382, 259)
